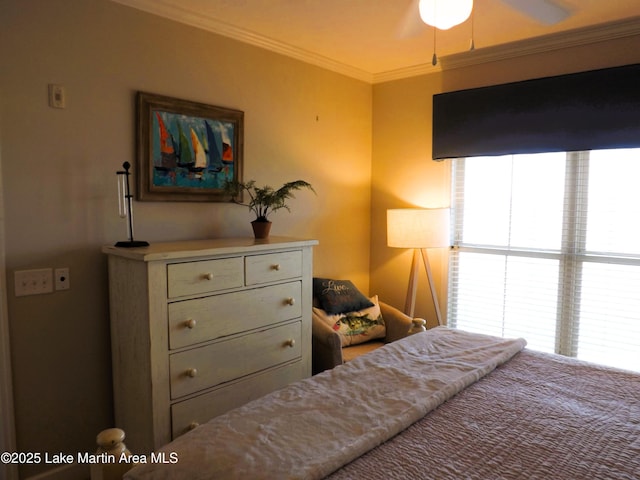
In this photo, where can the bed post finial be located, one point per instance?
(110, 450)
(417, 325)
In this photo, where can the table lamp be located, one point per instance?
(418, 228)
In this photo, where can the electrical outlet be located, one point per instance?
(33, 282)
(62, 280)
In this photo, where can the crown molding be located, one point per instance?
(551, 42)
(158, 7)
(407, 72)
(546, 43)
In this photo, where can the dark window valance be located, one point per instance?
(583, 111)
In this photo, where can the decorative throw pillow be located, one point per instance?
(358, 326)
(338, 296)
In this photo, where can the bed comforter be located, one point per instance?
(311, 428)
(540, 416)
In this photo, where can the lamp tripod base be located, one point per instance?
(132, 244)
(409, 307)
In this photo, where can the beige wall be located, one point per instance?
(59, 182)
(404, 174)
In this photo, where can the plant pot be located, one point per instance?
(261, 229)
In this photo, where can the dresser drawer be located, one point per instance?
(203, 367)
(192, 278)
(202, 319)
(272, 267)
(190, 413)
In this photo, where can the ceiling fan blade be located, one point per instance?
(548, 12)
(411, 23)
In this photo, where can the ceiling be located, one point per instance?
(378, 40)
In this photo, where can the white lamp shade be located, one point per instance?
(444, 14)
(418, 227)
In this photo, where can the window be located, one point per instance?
(547, 247)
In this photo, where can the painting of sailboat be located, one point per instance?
(190, 150)
(167, 151)
(200, 163)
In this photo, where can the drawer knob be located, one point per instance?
(290, 301)
(191, 323)
(193, 425)
(275, 267)
(208, 276)
(192, 372)
(290, 342)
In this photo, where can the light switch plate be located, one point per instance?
(57, 96)
(33, 282)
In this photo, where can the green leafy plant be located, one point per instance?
(264, 200)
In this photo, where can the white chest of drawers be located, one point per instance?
(200, 327)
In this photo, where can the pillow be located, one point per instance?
(338, 296)
(358, 326)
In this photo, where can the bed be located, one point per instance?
(442, 404)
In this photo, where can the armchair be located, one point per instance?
(327, 349)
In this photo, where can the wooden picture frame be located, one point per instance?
(186, 150)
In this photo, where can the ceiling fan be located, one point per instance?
(444, 14)
(547, 12)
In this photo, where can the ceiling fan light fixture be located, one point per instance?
(444, 14)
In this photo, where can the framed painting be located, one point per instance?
(186, 150)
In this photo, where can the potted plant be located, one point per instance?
(263, 201)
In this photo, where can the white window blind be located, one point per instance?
(547, 247)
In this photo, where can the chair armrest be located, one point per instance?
(326, 346)
(398, 324)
